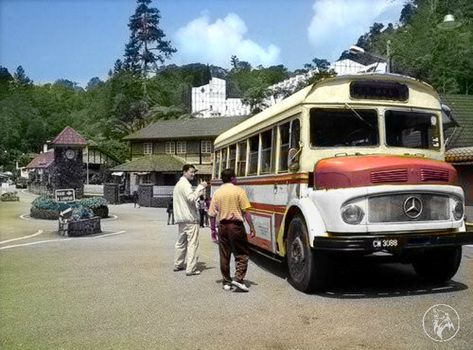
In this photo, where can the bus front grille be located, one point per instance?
(399, 208)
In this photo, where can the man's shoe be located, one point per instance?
(240, 286)
(180, 268)
(193, 273)
(227, 287)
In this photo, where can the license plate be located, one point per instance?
(385, 243)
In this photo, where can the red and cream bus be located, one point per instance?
(351, 164)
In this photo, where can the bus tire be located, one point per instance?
(438, 265)
(307, 270)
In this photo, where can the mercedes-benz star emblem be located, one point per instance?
(413, 207)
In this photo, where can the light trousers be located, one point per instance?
(186, 246)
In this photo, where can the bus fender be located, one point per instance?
(312, 217)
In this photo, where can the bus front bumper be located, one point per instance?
(393, 243)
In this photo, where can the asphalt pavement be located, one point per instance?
(117, 290)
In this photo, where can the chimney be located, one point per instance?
(45, 146)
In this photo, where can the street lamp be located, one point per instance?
(448, 23)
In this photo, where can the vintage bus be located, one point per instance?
(352, 164)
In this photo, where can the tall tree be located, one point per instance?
(21, 78)
(147, 46)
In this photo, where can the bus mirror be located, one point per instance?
(293, 159)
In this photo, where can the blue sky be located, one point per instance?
(81, 39)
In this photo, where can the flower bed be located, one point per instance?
(44, 214)
(10, 197)
(47, 208)
(99, 205)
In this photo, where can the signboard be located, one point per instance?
(66, 195)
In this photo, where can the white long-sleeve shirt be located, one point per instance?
(185, 199)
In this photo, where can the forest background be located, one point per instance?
(141, 89)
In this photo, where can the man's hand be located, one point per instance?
(204, 184)
(252, 232)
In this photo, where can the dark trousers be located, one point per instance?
(232, 239)
(170, 216)
(202, 217)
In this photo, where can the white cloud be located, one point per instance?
(214, 43)
(337, 24)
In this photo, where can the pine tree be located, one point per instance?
(147, 46)
(21, 78)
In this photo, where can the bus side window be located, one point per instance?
(266, 148)
(217, 165)
(295, 136)
(232, 157)
(284, 146)
(295, 133)
(253, 166)
(224, 158)
(241, 164)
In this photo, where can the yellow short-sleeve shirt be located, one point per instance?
(228, 203)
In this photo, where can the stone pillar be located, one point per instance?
(110, 193)
(145, 195)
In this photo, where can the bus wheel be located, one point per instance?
(307, 270)
(438, 265)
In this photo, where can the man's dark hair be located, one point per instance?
(227, 175)
(186, 167)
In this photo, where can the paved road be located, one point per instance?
(118, 291)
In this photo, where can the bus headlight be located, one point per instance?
(352, 214)
(458, 210)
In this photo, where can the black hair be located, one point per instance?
(186, 167)
(227, 175)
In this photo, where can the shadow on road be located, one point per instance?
(367, 277)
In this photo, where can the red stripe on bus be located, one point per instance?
(281, 209)
(261, 242)
(269, 179)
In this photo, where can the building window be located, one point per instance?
(148, 148)
(170, 147)
(181, 147)
(206, 146)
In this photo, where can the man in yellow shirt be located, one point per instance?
(229, 205)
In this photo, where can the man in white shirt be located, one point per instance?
(187, 218)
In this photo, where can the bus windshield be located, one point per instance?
(412, 130)
(343, 127)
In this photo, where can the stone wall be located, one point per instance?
(111, 193)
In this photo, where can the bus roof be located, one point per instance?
(331, 91)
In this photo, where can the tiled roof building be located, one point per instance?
(460, 138)
(69, 137)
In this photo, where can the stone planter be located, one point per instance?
(101, 211)
(81, 227)
(44, 214)
(9, 197)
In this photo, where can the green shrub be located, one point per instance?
(44, 202)
(94, 202)
(81, 212)
(44, 214)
